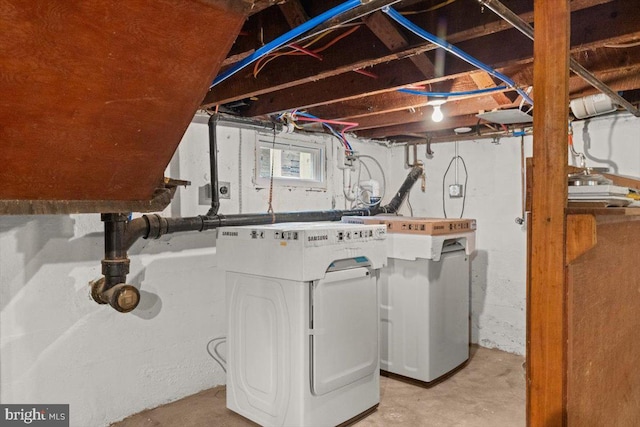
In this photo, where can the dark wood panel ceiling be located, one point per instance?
(359, 67)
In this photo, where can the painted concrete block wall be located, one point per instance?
(611, 141)
(58, 346)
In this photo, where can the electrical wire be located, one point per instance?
(464, 191)
(364, 165)
(623, 45)
(260, 63)
(286, 38)
(297, 115)
(431, 9)
(393, 14)
(409, 203)
(216, 355)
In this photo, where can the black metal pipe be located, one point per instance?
(213, 163)
(134, 230)
(154, 226)
(121, 234)
(257, 219)
(115, 265)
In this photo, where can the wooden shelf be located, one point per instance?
(604, 211)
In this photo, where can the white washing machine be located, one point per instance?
(424, 295)
(302, 312)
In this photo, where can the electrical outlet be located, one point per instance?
(455, 190)
(224, 190)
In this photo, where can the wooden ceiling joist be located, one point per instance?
(455, 108)
(468, 24)
(394, 40)
(396, 58)
(343, 87)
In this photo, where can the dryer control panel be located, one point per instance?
(307, 234)
(299, 251)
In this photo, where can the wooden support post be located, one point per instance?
(546, 325)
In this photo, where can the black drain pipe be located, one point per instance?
(236, 122)
(213, 163)
(112, 288)
(121, 234)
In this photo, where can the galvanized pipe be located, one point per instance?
(521, 25)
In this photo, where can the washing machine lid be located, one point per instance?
(344, 335)
(416, 225)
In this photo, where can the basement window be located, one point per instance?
(294, 163)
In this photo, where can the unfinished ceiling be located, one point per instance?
(354, 71)
(96, 96)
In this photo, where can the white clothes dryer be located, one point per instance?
(302, 304)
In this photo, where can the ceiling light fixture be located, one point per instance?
(437, 115)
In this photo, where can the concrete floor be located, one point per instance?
(489, 391)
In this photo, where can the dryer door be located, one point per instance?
(344, 337)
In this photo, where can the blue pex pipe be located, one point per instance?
(286, 38)
(448, 94)
(393, 14)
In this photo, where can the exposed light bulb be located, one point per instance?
(437, 115)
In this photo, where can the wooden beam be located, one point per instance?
(458, 107)
(606, 21)
(352, 85)
(260, 5)
(469, 24)
(294, 13)
(395, 41)
(546, 321)
(623, 80)
(384, 102)
(424, 126)
(483, 80)
(325, 90)
(369, 105)
(620, 78)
